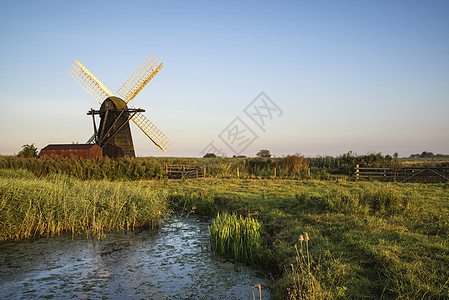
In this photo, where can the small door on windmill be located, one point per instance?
(112, 151)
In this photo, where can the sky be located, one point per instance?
(309, 77)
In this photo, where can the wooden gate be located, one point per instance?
(185, 171)
(405, 174)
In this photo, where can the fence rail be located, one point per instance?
(185, 171)
(404, 174)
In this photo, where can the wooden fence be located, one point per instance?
(405, 174)
(185, 171)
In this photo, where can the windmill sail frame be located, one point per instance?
(137, 81)
(89, 82)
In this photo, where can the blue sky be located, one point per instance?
(361, 76)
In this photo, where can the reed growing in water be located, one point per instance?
(238, 236)
(31, 207)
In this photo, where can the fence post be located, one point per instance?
(274, 172)
(238, 174)
(204, 172)
(357, 172)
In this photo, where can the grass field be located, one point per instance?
(365, 240)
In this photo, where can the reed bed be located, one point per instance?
(139, 168)
(32, 207)
(125, 169)
(238, 236)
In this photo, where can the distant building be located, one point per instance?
(67, 150)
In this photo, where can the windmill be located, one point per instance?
(114, 134)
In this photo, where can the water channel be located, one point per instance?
(171, 262)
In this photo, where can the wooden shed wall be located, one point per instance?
(93, 152)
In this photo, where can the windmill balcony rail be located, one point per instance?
(131, 110)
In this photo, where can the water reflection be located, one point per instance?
(173, 262)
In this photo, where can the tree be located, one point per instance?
(263, 153)
(426, 154)
(28, 151)
(210, 155)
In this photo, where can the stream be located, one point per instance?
(173, 261)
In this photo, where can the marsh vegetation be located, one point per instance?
(32, 207)
(365, 239)
(146, 168)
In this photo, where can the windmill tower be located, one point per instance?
(114, 134)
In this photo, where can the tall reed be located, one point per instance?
(125, 169)
(238, 236)
(31, 207)
(310, 279)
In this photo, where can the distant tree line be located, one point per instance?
(426, 154)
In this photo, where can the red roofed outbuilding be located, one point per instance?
(67, 150)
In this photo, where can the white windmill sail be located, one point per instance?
(140, 78)
(89, 82)
(157, 136)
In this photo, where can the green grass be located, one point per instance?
(368, 240)
(238, 236)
